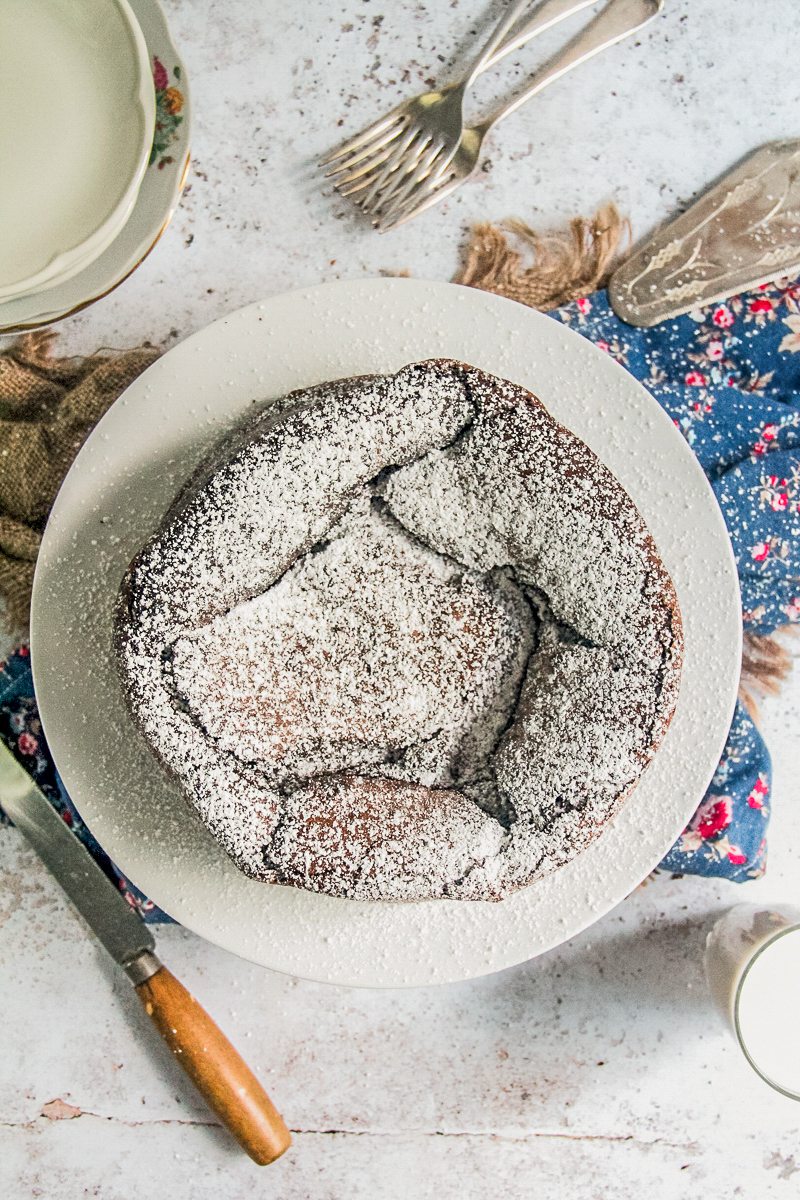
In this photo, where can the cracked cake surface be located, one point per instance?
(402, 637)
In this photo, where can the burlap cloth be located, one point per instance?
(49, 405)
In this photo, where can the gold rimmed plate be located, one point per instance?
(78, 122)
(158, 196)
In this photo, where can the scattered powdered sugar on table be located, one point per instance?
(402, 637)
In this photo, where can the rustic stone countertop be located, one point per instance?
(599, 1071)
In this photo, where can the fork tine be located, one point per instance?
(366, 135)
(387, 162)
(432, 180)
(369, 149)
(365, 180)
(428, 165)
(417, 205)
(397, 162)
(363, 173)
(400, 178)
(439, 192)
(392, 164)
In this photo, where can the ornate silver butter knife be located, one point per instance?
(742, 232)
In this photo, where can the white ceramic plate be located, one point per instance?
(121, 484)
(78, 116)
(158, 195)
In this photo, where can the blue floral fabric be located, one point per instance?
(729, 376)
(21, 730)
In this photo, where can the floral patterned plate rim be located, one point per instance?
(80, 129)
(158, 196)
(124, 479)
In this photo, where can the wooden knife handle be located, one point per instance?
(222, 1077)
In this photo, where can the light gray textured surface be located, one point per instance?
(598, 1071)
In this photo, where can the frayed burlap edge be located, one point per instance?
(545, 271)
(766, 664)
(48, 407)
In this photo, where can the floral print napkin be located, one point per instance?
(729, 376)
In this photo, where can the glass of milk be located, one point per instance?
(752, 962)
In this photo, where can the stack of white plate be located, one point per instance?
(93, 100)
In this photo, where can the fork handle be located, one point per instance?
(618, 20)
(547, 14)
(496, 38)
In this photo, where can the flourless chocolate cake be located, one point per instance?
(402, 637)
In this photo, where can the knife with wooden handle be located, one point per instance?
(208, 1058)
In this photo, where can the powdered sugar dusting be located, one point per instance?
(348, 695)
(371, 651)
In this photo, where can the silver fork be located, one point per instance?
(618, 20)
(389, 160)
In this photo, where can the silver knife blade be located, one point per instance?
(106, 911)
